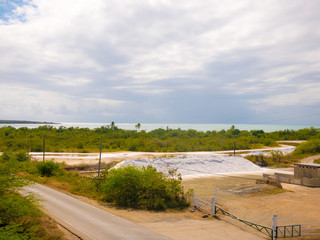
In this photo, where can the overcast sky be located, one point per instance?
(160, 61)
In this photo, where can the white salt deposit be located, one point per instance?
(196, 166)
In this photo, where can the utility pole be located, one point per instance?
(44, 148)
(99, 159)
(28, 149)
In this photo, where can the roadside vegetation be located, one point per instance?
(19, 215)
(128, 186)
(143, 188)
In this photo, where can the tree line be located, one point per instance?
(74, 139)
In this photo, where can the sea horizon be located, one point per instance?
(183, 126)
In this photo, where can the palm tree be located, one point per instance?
(112, 125)
(138, 126)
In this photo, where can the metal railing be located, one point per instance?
(263, 229)
(288, 231)
(310, 229)
(203, 205)
(275, 232)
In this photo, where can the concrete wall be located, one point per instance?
(301, 171)
(311, 182)
(285, 178)
(303, 175)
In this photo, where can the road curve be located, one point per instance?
(86, 220)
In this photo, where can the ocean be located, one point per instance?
(151, 126)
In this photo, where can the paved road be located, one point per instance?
(86, 220)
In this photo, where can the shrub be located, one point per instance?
(277, 156)
(19, 216)
(20, 156)
(310, 147)
(143, 188)
(49, 169)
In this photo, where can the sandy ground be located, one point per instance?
(310, 159)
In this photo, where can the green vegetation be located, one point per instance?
(274, 159)
(309, 147)
(115, 139)
(143, 188)
(278, 159)
(301, 134)
(159, 140)
(49, 169)
(19, 216)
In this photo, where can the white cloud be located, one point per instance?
(306, 94)
(69, 80)
(45, 105)
(144, 89)
(104, 101)
(81, 53)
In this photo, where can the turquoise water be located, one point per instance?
(152, 126)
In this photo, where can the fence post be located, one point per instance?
(194, 199)
(274, 227)
(99, 159)
(216, 194)
(44, 149)
(28, 149)
(213, 207)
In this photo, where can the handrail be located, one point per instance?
(263, 229)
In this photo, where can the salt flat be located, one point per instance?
(198, 166)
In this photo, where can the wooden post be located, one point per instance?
(194, 198)
(28, 149)
(234, 149)
(216, 194)
(213, 207)
(44, 148)
(100, 159)
(274, 227)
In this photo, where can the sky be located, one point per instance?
(160, 61)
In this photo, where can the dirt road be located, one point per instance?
(310, 159)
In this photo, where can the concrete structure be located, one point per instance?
(306, 174)
(308, 170)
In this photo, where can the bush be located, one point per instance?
(310, 147)
(49, 169)
(20, 156)
(143, 188)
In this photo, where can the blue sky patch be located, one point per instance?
(7, 8)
